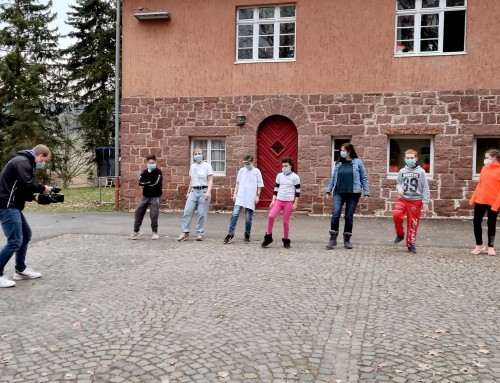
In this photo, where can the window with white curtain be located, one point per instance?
(214, 152)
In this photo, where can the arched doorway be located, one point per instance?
(277, 138)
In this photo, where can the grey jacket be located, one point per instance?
(413, 182)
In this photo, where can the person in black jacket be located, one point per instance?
(17, 187)
(151, 180)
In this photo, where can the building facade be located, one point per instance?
(300, 79)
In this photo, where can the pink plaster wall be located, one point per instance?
(342, 46)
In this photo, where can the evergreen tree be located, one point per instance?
(91, 68)
(28, 75)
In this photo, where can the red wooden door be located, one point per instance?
(277, 138)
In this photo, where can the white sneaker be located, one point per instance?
(135, 235)
(4, 282)
(155, 236)
(26, 274)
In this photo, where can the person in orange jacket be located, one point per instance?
(486, 198)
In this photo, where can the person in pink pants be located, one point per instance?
(285, 197)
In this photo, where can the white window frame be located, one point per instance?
(417, 13)
(394, 175)
(276, 21)
(475, 175)
(345, 139)
(207, 154)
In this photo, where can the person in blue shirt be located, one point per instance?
(349, 181)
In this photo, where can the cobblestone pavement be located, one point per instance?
(112, 310)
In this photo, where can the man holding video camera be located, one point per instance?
(17, 187)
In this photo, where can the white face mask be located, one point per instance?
(488, 161)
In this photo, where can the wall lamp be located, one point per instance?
(152, 15)
(240, 119)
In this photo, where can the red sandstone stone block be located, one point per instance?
(417, 101)
(327, 99)
(335, 109)
(347, 108)
(390, 101)
(438, 119)
(314, 100)
(469, 104)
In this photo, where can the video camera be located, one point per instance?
(53, 197)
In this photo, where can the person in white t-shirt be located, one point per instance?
(246, 195)
(285, 197)
(198, 196)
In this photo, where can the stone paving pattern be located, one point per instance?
(112, 310)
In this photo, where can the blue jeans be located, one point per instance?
(234, 220)
(351, 201)
(18, 233)
(196, 201)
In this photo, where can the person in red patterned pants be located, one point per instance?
(413, 191)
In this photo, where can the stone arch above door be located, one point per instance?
(288, 107)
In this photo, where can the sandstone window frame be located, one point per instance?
(212, 152)
(414, 18)
(256, 28)
(406, 142)
(479, 149)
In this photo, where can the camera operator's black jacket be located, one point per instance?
(152, 182)
(16, 181)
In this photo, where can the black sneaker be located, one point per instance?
(412, 249)
(398, 239)
(228, 239)
(247, 239)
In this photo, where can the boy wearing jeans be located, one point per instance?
(413, 191)
(246, 195)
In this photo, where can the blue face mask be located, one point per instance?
(343, 154)
(151, 166)
(411, 163)
(198, 157)
(40, 165)
(248, 166)
(286, 171)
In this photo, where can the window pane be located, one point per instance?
(404, 46)
(429, 33)
(287, 28)
(266, 13)
(202, 144)
(266, 29)
(405, 34)
(245, 54)
(267, 41)
(454, 31)
(245, 42)
(406, 4)
(265, 53)
(428, 45)
(431, 19)
(406, 21)
(287, 11)
(218, 145)
(398, 146)
(287, 52)
(287, 40)
(337, 144)
(482, 146)
(430, 3)
(245, 30)
(245, 13)
(455, 3)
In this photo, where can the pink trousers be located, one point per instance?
(287, 207)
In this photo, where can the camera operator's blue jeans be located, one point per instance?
(351, 201)
(234, 220)
(18, 233)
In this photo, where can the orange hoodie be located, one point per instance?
(488, 189)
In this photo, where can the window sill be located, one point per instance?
(425, 54)
(219, 174)
(265, 61)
